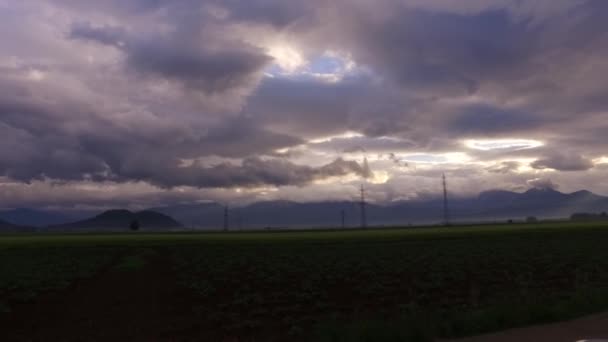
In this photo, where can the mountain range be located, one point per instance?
(487, 206)
(492, 205)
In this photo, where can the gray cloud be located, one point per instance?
(504, 167)
(253, 172)
(542, 184)
(563, 161)
(207, 63)
(199, 68)
(277, 13)
(127, 91)
(486, 120)
(107, 35)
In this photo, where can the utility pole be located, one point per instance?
(226, 218)
(343, 217)
(446, 212)
(362, 204)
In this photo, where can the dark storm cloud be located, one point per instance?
(563, 161)
(276, 13)
(305, 106)
(442, 51)
(504, 167)
(486, 120)
(108, 35)
(205, 63)
(313, 108)
(200, 68)
(133, 90)
(253, 172)
(37, 148)
(39, 144)
(36, 152)
(449, 51)
(113, 6)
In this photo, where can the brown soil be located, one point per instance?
(586, 328)
(146, 304)
(118, 305)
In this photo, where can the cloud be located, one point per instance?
(276, 13)
(485, 120)
(504, 167)
(563, 161)
(185, 93)
(209, 70)
(542, 184)
(216, 65)
(107, 35)
(252, 172)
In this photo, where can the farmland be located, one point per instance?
(389, 284)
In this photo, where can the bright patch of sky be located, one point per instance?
(502, 144)
(329, 67)
(287, 59)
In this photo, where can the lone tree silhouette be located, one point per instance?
(134, 225)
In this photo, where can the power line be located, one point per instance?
(446, 212)
(362, 204)
(343, 218)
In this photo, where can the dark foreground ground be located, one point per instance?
(373, 285)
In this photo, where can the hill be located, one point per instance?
(4, 226)
(7, 227)
(121, 220)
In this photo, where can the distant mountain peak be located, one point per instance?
(542, 190)
(4, 224)
(121, 219)
(583, 193)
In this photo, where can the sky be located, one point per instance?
(142, 103)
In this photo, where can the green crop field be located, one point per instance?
(360, 285)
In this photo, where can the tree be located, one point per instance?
(134, 226)
(531, 219)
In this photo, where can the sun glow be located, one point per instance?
(287, 58)
(345, 135)
(600, 160)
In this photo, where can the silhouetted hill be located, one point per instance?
(546, 203)
(121, 220)
(496, 198)
(7, 227)
(32, 217)
(489, 205)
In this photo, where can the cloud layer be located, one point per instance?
(264, 99)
